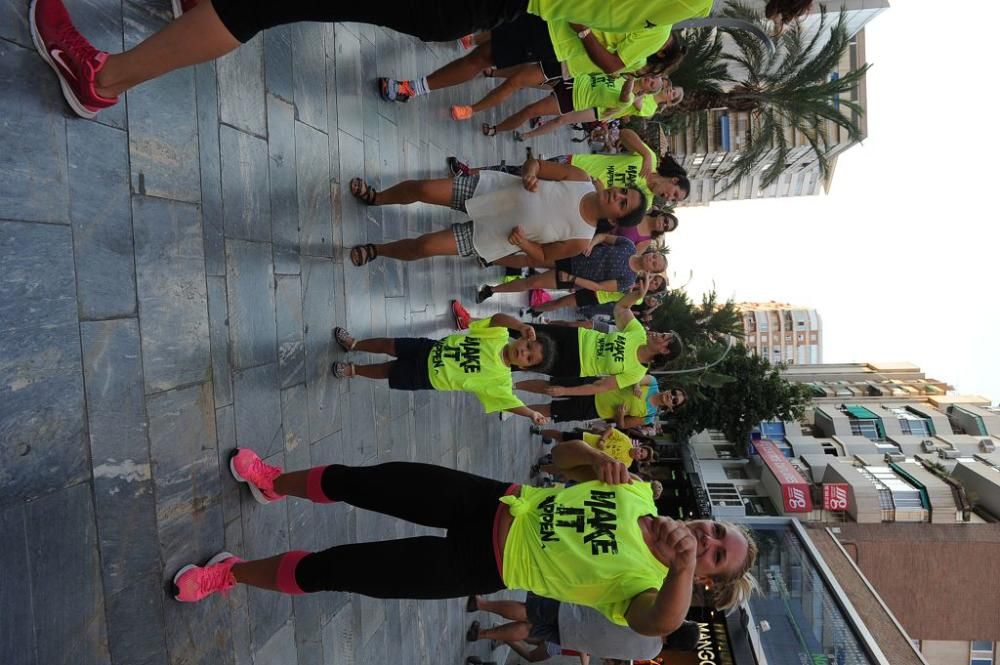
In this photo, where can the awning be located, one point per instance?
(796, 496)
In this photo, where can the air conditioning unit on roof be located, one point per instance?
(949, 454)
(895, 458)
(987, 446)
(928, 445)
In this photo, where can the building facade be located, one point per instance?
(728, 131)
(782, 333)
(906, 475)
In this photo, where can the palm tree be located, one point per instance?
(791, 88)
(698, 325)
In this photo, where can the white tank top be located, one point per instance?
(501, 202)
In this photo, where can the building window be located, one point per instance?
(981, 653)
(864, 423)
(736, 473)
(725, 452)
(912, 423)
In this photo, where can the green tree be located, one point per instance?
(698, 325)
(735, 395)
(789, 89)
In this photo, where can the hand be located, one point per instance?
(554, 391)
(647, 166)
(673, 543)
(539, 419)
(527, 332)
(601, 444)
(621, 411)
(611, 471)
(530, 181)
(589, 249)
(636, 390)
(516, 236)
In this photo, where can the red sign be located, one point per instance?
(835, 496)
(795, 493)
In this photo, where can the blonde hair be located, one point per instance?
(727, 593)
(657, 488)
(680, 97)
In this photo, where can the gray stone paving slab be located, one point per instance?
(284, 195)
(33, 159)
(312, 166)
(218, 327)
(291, 345)
(349, 76)
(170, 283)
(17, 632)
(309, 76)
(241, 88)
(278, 70)
(66, 578)
(213, 221)
(318, 299)
(250, 280)
(257, 402)
(246, 200)
(101, 215)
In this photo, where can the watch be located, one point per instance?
(583, 33)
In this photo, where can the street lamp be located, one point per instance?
(729, 347)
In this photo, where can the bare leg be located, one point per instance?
(566, 301)
(533, 386)
(547, 106)
(518, 630)
(524, 76)
(464, 69)
(531, 655)
(377, 371)
(520, 261)
(508, 609)
(436, 191)
(555, 123)
(386, 345)
(543, 280)
(197, 36)
(439, 243)
(262, 573)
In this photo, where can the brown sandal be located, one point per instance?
(344, 339)
(342, 370)
(362, 191)
(362, 254)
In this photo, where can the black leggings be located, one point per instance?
(435, 21)
(459, 564)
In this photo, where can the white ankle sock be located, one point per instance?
(420, 86)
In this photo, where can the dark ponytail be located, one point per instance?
(669, 168)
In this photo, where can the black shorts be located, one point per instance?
(543, 615)
(563, 92)
(552, 71)
(567, 343)
(521, 41)
(409, 371)
(438, 21)
(587, 298)
(564, 265)
(566, 409)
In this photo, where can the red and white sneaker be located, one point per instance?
(247, 467)
(70, 55)
(461, 315)
(467, 42)
(193, 583)
(182, 6)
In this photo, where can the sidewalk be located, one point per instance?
(169, 276)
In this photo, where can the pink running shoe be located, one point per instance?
(70, 55)
(182, 6)
(193, 583)
(538, 297)
(467, 42)
(459, 112)
(247, 467)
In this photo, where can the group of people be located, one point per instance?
(606, 574)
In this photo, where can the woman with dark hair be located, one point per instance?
(656, 223)
(550, 212)
(610, 266)
(479, 361)
(592, 362)
(626, 408)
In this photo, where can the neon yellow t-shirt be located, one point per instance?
(616, 170)
(473, 363)
(647, 110)
(597, 90)
(582, 544)
(620, 15)
(617, 446)
(604, 297)
(632, 48)
(607, 403)
(613, 354)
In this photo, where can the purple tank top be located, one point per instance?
(630, 232)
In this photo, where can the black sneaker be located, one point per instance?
(535, 429)
(485, 292)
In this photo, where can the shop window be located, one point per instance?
(736, 473)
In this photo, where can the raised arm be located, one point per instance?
(602, 385)
(609, 62)
(661, 612)
(631, 140)
(510, 323)
(623, 308)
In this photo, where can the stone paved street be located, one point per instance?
(169, 276)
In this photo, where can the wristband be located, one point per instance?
(583, 33)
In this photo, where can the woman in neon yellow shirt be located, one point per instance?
(584, 93)
(479, 361)
(607, 549)
(591, 362)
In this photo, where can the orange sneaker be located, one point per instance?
(461, 112)
(467, 43)
(462, 316)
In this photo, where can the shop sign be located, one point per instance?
(795, 494)
(835, 496)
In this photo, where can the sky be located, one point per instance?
(900, 258)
